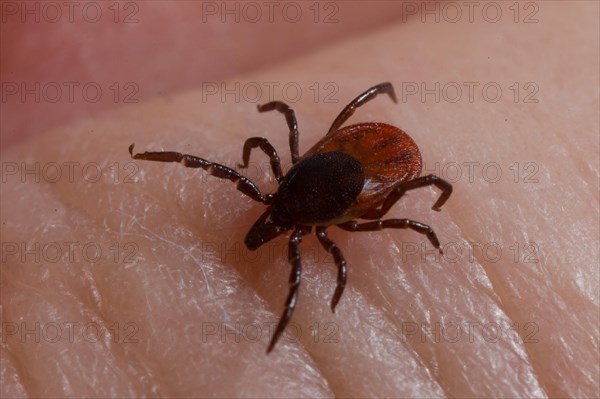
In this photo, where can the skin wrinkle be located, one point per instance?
(497, 301)
(387, 310)
(98, 316)
(375, 338)
(18, 386)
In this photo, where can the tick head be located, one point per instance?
(263, 231)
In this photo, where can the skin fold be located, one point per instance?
(176, 306)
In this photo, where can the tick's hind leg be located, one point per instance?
(268, 149)
(382, 88)
(292, 299)
(394, 224)
(403, 187)
(339, 261)
(290, 118)
(223, 172)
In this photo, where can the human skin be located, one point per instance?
(191, 273)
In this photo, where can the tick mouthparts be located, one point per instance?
(263, 231)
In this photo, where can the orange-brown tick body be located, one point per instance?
(356, 172)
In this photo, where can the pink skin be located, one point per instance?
(191, 274)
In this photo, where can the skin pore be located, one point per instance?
(510, 310)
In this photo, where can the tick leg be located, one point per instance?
(393, 224)
(223, 172)
(339, 261)
(382, 88)
(268, 149)
(290, 118)
(402, 188)
(290, 303)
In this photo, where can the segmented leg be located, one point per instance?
(402, 188)
(290, 303)
(290, 118)
(339, 261)
(268, 149)
(393, 224)
(382, 88)
(223, 172)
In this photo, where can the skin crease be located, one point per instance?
(192, 275)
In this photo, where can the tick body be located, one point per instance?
(355, 172)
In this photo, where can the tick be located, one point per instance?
(355, 172)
